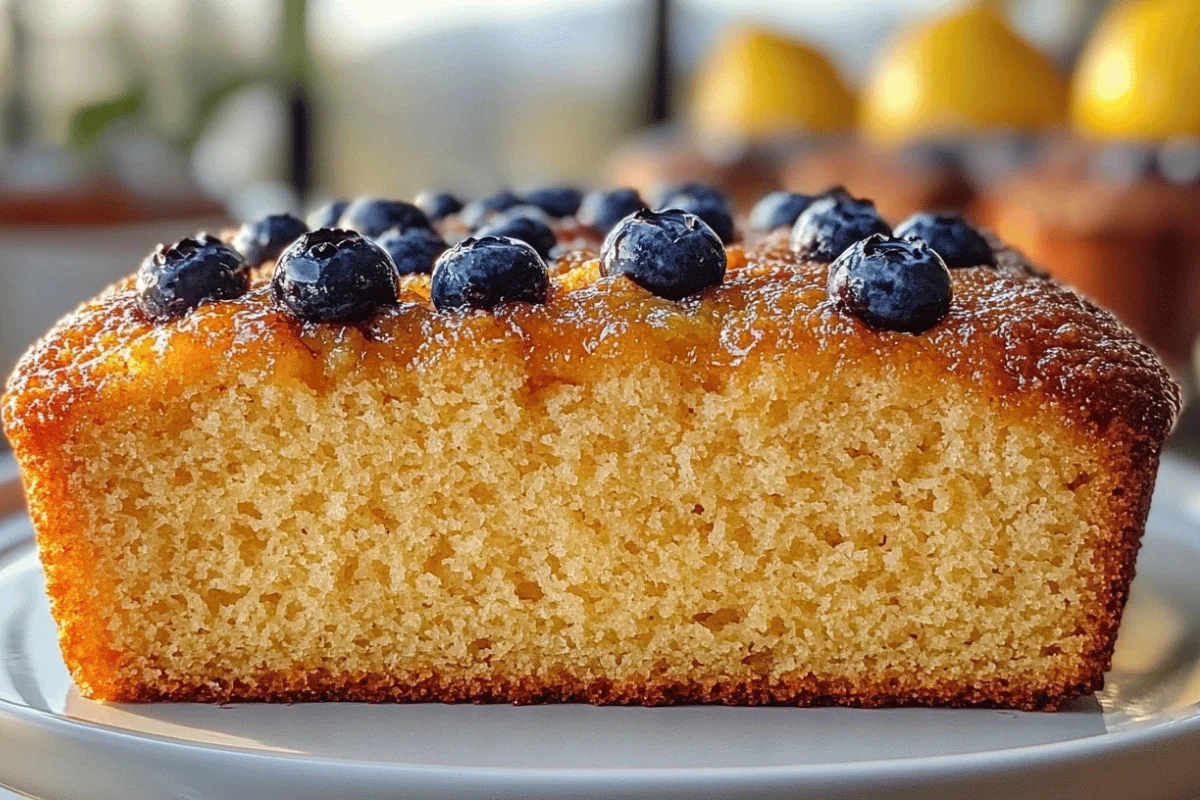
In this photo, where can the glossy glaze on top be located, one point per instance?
(1012, 334)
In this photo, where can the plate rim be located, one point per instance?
(1121, 743)
(1184, 728)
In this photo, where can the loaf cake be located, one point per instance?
(813, 466)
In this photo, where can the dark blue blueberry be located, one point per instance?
(413, 250)
(557, 201)
(671, 253)
(488, 271)
(664, 195)
(175, 279)
(778, 210)
(604, 209)
(333, 275)
(660, 194)
(264, 239)
(438, 205)
(832, 223)
(515, 225)
(326, 216)
(895, 284)
(951, 237)
(705, 202)
(371, 216)
(477, 212)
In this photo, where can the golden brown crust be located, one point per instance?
(1021, 338)
(1012, 337)
(323, 685)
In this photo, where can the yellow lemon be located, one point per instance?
(757, 84)
(962, 73)
(1139, 77)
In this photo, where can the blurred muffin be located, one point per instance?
(1116, 212)
(901, 181)
(670, 156)
(758, 98)
(950, 102)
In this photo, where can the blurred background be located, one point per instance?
(1071, 127)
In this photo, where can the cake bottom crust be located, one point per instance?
(328, 686)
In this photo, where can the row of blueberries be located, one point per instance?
(175, 279)
(345, 273)
(892, 279)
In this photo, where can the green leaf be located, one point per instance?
(88, 122)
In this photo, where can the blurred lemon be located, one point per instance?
(965, 72)
(757, 84)
(1139, 76)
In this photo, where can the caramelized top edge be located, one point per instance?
(1011, 334)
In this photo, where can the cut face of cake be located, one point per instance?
(875, 482)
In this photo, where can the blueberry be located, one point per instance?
(671, 253)
(895, 284)
(175, 279)
(524, 210)
(661, 194)
(604, 209)
(413, 250)
(476, 212)
(438, 205)
(778, 210)
(706, 203)
(326, 216)
(832, 223)
(704, 191)
(264, 239)
(371, 216)
(557, 201)
(531, 231)
(951, 237)
(487, 271)
(332, 275)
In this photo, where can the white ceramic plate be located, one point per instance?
(1139, 738)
